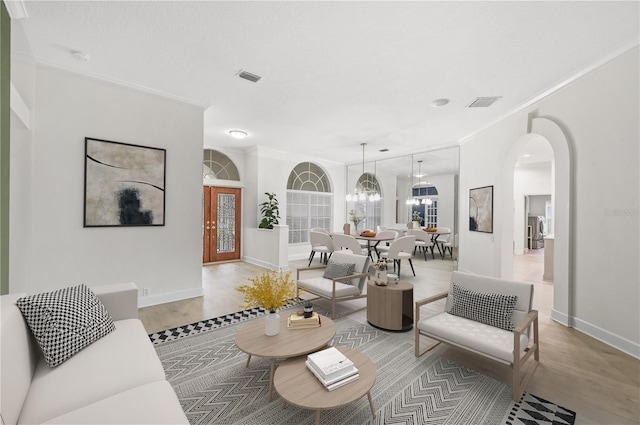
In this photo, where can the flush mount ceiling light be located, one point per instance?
(440, 102)
(238, 134)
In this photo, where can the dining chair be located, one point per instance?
(423, 242)
(320, 229)
(449, 246)
(322, 243)
(384, 246)
(401, 248)
(444, 236)
(347, 242)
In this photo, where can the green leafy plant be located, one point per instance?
(270, 212)
(354, 218)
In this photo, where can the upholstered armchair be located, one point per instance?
(487, 316)
(343, 279)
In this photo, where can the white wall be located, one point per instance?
(23, 78)
(167, 259)
(599, 114)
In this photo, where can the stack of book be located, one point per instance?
(300, 322)
(332, 368)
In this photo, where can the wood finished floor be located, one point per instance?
(576, 371)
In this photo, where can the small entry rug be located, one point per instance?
(213, 385)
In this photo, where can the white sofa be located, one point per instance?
(115, 380)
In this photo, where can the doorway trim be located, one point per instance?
(562, 196)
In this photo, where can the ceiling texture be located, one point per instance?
(334, 74)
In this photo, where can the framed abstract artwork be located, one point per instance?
(481, 209)
(124, 185)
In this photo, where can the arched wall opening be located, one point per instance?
(562, 190)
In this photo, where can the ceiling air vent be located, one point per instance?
(249, 76)
(483, 102)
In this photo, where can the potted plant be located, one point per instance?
(355, 219)
(271, 291)
(270, 212)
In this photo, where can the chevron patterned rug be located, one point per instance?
(209, 376)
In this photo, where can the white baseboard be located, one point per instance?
(169, 297)
(616, 341)
(629, 347)
(561, 318)
(265, 264)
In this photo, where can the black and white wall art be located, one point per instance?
(124, 184)
(481, 209)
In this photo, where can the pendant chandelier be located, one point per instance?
(427, 200)
(411, 200)
(373, 195)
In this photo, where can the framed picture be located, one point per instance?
(123, 184)
(481, 209)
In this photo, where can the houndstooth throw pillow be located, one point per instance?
(65, 321)
(488, 308)
(335, 270)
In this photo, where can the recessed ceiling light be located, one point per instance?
(238, 134)
(526, 155)
(440, 102)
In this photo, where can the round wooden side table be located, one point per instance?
(298, 386)
(390, 307)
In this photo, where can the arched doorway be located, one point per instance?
(561, 197)
(221, 208)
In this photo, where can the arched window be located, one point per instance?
(309, 201)
(217, 165)
(370, 209)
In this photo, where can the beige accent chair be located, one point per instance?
(511, 348)
(345, 288)
(401, 249)
(346, 242)
(320, 242)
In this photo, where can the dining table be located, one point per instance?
(435, 234)
(372, 243)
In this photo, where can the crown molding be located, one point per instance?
(17, 9)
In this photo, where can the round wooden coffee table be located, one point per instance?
(287, 343)
(298, 386)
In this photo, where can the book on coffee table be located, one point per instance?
(346, 375)
(301, 322)
(332, 368)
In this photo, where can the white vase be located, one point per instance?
(272, 324)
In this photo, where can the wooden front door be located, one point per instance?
(221, 224)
